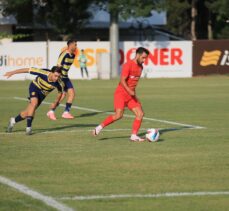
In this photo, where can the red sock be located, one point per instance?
(107, 121)
(136, 125)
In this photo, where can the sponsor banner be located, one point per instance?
(210, 57)
(91, 50)
(166, 59)
(21, 55)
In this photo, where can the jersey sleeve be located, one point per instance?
(60, 60)
(125, 70)
(37, 71)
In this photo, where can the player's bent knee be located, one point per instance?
(140, 115)
(120, 116)
(117, 116)
(71, 96)
(33, 105)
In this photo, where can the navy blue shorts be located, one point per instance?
(67, 84)
(34, 91)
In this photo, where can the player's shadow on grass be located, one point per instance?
(117, 137)
(42, 130)
(166, 130)
(122, 138)
(142, 134)
(92, 114)
(64, 127)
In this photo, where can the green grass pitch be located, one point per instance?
(62, 160)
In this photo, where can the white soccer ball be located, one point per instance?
(152, 135)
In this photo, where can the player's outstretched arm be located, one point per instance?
(57, 101)
(59, 98)
(18, 71)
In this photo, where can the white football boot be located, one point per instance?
(28, 131)
(11, 125)
(136, 138)
(97, 130)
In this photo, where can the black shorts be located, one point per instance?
(34, 91)
(67, 84)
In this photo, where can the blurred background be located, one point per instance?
(111, 25)
(184, 91)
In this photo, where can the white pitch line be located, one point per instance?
(125, 115)
(157, 195)
(72, 131)
(34, 194)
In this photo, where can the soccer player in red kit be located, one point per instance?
(125, 95)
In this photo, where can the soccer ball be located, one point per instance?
(152, 135)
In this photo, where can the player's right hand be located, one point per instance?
(8, 74)
(132, 93)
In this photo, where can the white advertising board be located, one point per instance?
(21, 55)
(171, 59)
(166, 59)
(91, 50)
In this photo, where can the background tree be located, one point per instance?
(219, 14)
(198, 19)
(64, 17)
(21, 9)
(178, 17)
(123, 9)
(67, 17)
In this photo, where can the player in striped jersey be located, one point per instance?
(45, 82)
(65, 60)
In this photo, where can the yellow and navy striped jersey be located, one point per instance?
(65, 60)
(43, 83)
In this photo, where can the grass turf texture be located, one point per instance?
(70, 162)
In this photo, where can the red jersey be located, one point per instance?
(132, 71)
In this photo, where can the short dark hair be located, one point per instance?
(56, 69)
(142, 50)
(70, 41)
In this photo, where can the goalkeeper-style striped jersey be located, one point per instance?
(65, 60)
(43, 83)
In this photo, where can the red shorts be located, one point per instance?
(123, 99)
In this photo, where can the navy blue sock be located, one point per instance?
(68, 107)
(29, 121)
(18, 118)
